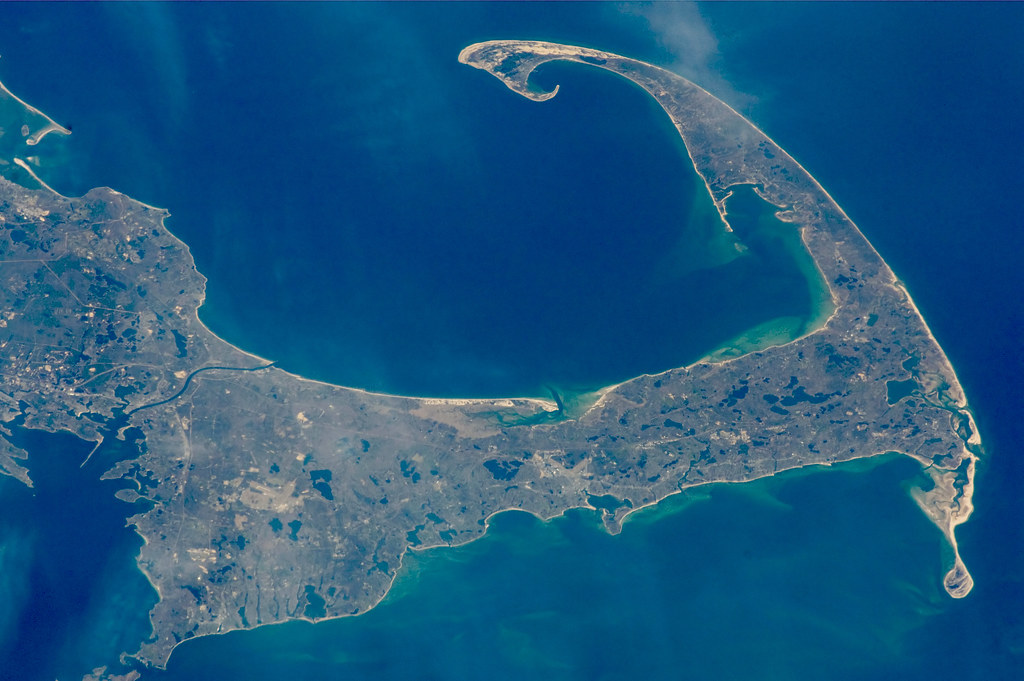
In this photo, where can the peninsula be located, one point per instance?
(272, 497)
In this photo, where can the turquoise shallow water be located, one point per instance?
(765, 580)
(832, 570)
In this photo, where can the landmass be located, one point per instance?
(271, 497)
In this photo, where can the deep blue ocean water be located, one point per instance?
(906, 114)
(423, 230)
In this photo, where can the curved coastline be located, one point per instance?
(957, 581)
(513, 61)
(35, 133)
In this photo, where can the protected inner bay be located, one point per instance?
(544, 246)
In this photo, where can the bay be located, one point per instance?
(421, 230)
(906, 115)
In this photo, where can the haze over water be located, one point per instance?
(421, 230)
(518, 245)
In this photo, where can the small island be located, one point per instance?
(272, 497)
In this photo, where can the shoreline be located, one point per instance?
(34, 138)
(599, 525)
(457, 401)
(890, 280)
(25, 166)
(546, 404)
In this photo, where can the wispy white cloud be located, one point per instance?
(154, 33)
(684, 33)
